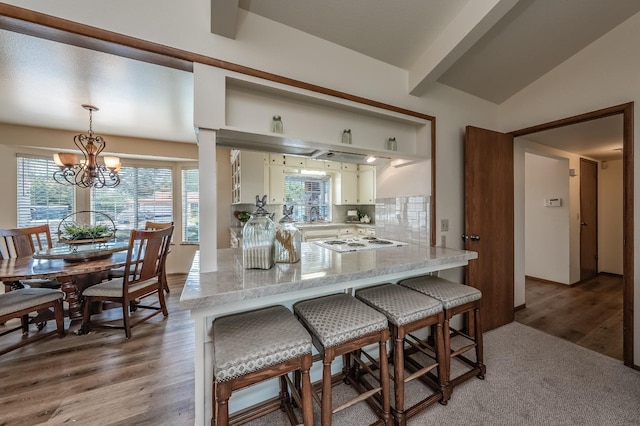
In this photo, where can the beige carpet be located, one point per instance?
(532, 379)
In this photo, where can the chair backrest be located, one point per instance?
(157, 225)
(147, 254)
(23, 242)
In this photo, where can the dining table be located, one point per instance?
(75, 267)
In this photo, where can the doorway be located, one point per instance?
(626, 111)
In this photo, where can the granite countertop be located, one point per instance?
(318, 267)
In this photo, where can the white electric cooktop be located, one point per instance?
(343, 245)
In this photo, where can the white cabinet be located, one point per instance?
(319, 234)
(315, 164)
(276, 159)
(346, 188)
(366, 185)
(349, 167)
(295, 161)
(332, 165)
(355, 187)
(247, 179)
(347, 232)
(366, 232)
(276, 185)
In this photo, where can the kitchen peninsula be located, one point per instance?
(321, 271)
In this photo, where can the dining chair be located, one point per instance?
(146, 257)
(19, 303)
(149, 225)
(23, 242)
(155, 226)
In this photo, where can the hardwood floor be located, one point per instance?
(589, 314)
(103, 379)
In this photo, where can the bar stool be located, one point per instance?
(341, 325)
(254, 346)
(408, 311)
(456, 299)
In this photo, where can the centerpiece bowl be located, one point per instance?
(85, 227)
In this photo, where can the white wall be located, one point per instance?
(610, 217)
(521, 147)
(546, 230)
(392, 182)
(605, 73)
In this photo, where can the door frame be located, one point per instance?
(627, 222)
(584, 209)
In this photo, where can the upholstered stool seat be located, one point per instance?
(258, 345)
(408, 311)
(456, 299)
(341, 325)
(19, 303)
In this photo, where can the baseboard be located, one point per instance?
(542, 280)
(520, 307)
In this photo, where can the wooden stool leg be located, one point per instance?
(221, 402)
(307, 399)
(284, 392)
(398, 374)
(446, 339)
(384, 380)
(326, 400)
(479, 347)
(441, 358)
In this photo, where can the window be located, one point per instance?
(310, 196)
(190, 206)
(144, 193)
(40, 199)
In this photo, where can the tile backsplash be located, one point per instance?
(404, 219)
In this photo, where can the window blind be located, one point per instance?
(190, 205)
(41, 199)
(144, 194)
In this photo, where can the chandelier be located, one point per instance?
(87, 173)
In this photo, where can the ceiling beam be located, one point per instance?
(224, 18)
(473, 22)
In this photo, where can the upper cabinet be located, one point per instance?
(366, 185)
(248, 176)
(312, 123)
(276, 184)
(346, 188)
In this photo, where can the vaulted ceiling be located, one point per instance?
(488, 48)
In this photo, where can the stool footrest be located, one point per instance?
(357, 399)
(463, 349)
(420, 372)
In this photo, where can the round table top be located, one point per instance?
(82, 252)
(24, 268)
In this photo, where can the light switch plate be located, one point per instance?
(444, 225)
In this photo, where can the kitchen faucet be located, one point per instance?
(313, 214)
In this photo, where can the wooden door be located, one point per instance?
(489, 222)
(588, 219)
